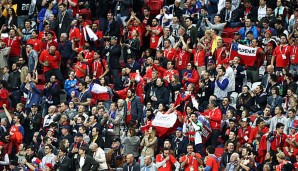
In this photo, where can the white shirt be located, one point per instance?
(82, 162)
(261, 12)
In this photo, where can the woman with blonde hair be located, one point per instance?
(149, 144)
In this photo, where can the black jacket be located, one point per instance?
(135, 167)
(53, 94)
(114, 29)
(33, 122)
(179, 146)
(225, 159)
(64, 21)
(99, 141)
(114, 55)
(14, 81)
(64, 165)
(136, 109)
(90, 164)
(162, 94)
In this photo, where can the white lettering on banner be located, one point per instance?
(164, 120)
(245, 50)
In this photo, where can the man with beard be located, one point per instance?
(113, 27)
(49, 42)
(50, 60)
(80, 68)
(179, 142)
(51, 94)
(281, 54)
(244, 101)
(154, 32)
(14, 82)
(226, 156)
(134, 107)
(85, 96)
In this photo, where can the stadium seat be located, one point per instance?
(249, 84)
(233, 98)
(40, 87)
(41, 79)
(155, 6)
(85, 12)
(225, 35)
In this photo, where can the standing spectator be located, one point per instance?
(160, 94)
(114, 156)
(32, 123)
(131, 143)
(33, 94)
(113, 27)
(14, 42)
(113, 52)
(100, 67)
(179, 143)
(14, 82)
(32, 58)
(221, 84)
(64, 19)
(99, 156)
(49, 156)
(149, 143)
(51, 60)
(278, 118)
(211, 159)
(154, 32)
(85, 162)
(63, 162)
(65, 50)
(51, 94)
(281, 54)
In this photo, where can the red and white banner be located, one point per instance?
(246, 54)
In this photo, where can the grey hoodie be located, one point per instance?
(131, 145)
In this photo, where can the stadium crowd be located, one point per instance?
(154, 85)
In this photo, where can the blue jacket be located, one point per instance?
(254, 29)
(33, 96)
(65, 50)
(212, 8)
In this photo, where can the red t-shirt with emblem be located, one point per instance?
(182, 59)
(154, 38)
(54, 61)
(37, 44)
(191, 162)
(46, 45)
(15, 45)
(74, 33)
(78, 72)
(98, 67)
(282, 55)
(169, 53)
(199, 57)
(43, 35)
(294, 55)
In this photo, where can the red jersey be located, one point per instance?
(78, 72)
(15, 45)
(282, 55)
(198, 57)
(294, 55)
(132, 28)
(243, 135)
(182, 59)
(99, 35)
(154, 38)
(255, 131)
(4, 97)
(42, 34)
(215, 117)
(192, 163)
(219, 54)
(212, 162)
(89, 56)
(54, 61)
(168, 165)
(74, 33)
(169, 54)
(37, 44)
(165, 72)
(74, 9)
(278, 141)
(47, 45)
(98, 67)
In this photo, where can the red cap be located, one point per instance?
(1, 143)
(269, 31)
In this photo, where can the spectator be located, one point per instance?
(131, 163)
(233, 165)
(131, 143)
(165, 161)
(62, 161)
(191, 159)
(149, 143)
(84, 161)
(114, 156)
(99, 156)
(248, 27)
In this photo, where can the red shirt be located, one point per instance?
(191, 162)
(74, 33)
(169, 164)
(255, 131)
(199, 57)
(89, 56)
(99, 35)
(294, 55)
(128, 116)
(4, 97)
(74, 9)
(98, 67)
(165, 72)
(46, 45)
(278, 142)
(243, 135)
(282, 55)
(43, 35)
(78, 72)
(169, 54)
(132, 28)
(154, 38)
(215, 117)
(15, 45)
(211, 162)
(182, 59)
(54, 61)
(37, 44)
(220, 54)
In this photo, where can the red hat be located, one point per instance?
(1, 143)
(269, 31)
(270, 44)
(49, 165)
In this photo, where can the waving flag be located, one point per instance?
(246, 54)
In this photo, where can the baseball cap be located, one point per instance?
(116, 140)
(236, 33)
(114, 37)
(211, 62)
(79, 135)
(179, 129)
(244, 119)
